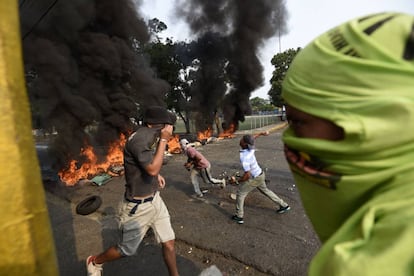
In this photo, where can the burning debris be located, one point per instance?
(84, 67)
(228, 132)
(174, 144)
(92, 165)
(116, 170)
(202, 138)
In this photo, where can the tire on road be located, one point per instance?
(88, 205)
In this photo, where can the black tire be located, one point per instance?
(88, 205)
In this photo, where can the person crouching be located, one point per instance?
(199, 167)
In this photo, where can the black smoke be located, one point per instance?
(85, 74)
(235, 30)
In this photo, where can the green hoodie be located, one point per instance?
(358, 192)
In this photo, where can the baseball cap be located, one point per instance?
(159, 115)
(249, 140)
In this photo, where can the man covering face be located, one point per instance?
(350, 144)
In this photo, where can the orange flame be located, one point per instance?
(201, 135)
(92, 166)
(228, 133)
(174, 144)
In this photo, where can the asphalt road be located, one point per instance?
(266, 244)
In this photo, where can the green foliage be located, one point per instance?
(259, 104)
(182, 65)
(170, 68)
(198, 73)
(281, 62)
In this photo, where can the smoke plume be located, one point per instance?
(234, 29)
(84, 72)
(86, 76)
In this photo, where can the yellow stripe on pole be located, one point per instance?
(26, 242)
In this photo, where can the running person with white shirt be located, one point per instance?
(253, 177)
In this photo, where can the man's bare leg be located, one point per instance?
(110, 254)
(168, 252)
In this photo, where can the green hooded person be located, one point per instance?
(350, 144)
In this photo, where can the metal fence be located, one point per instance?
(250, 122)
(258, 121)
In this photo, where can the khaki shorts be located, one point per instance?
(133, 228)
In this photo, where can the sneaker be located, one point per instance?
(93, 269)
(199, 195)
(237, 219)
(282, 210)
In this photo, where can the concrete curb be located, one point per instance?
(278, 127)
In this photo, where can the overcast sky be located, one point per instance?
(306, 20)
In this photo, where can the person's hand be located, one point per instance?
(264, 133)
(187, 166)
(233, 180)
(161, 182)
(166, 132)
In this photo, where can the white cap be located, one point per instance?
(184, 143)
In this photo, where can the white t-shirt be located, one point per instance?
(249, 162)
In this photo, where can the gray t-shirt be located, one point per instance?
(138, 153)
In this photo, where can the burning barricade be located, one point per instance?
(92, 166)
(100, 170)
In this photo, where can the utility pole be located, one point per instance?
(280, 46)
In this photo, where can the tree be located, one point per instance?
(156, 26)
(259, 104)
(169, 67)
(196, 72)
(281, 62)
